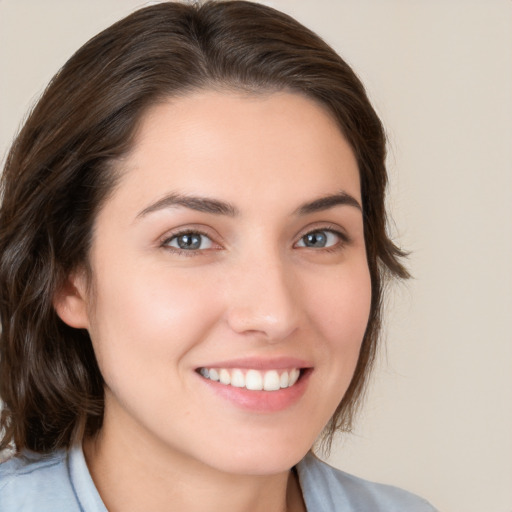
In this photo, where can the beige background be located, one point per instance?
(438, 420)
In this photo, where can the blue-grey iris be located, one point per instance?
(189, 241)
(316, 239)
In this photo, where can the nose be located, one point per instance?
(263, 299)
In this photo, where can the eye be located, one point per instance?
(189, 241)
(320, 239)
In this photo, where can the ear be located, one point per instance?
(70, 301)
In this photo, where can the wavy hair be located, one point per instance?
(61, 168)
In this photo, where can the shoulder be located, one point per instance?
(36, 482)
(326, 488)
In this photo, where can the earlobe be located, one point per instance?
(70, 301)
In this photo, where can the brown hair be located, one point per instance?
(60, 170)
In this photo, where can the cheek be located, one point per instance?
(338, 308)
(150, 318)
(341, 308)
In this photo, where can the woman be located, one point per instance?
(193, 250)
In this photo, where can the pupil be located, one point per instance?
(189, 241)
(316, 239)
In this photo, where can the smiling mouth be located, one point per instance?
(252, 379)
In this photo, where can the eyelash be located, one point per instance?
(343, 241)
(183, 252)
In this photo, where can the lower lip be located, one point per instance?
(262, 401)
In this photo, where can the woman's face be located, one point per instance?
(231, 249)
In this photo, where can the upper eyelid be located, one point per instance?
(177, 235)
(336, 229)
(173, 233)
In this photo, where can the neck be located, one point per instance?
(137, 476)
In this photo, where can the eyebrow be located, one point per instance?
(200, 204)
(327, 202)
(217, 207)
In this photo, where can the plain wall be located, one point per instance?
(438, 419)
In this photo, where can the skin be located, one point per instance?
(253, 289)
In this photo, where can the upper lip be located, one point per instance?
(258, 363)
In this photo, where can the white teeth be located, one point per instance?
(224, 377)
(213, 374)
(238, 379)
(254, 380)
(294, 375)
(271, 381)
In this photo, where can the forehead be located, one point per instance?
(224, 144)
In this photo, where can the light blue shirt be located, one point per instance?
(60, 482)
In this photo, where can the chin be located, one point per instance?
(260, 458)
